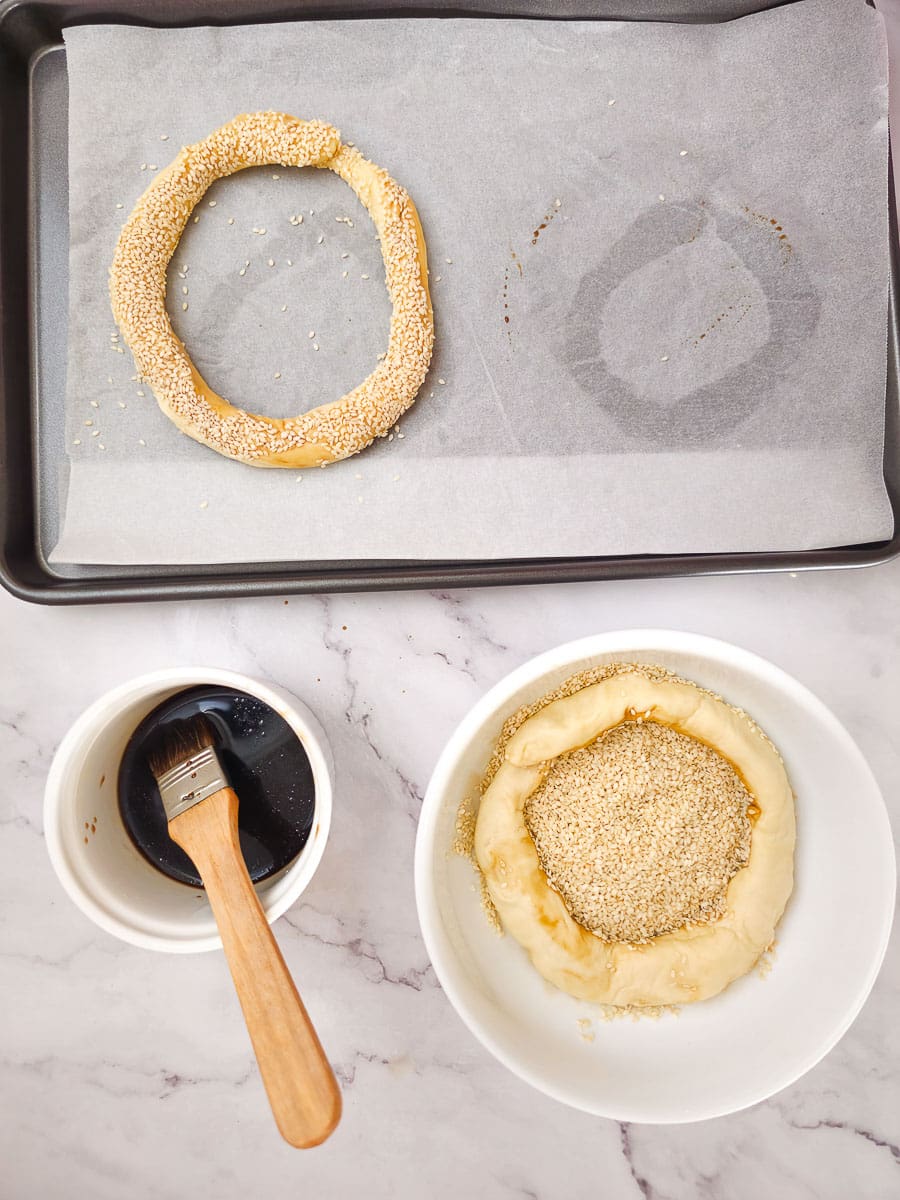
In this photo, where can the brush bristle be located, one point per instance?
(178, 741)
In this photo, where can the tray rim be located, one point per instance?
(24, 571)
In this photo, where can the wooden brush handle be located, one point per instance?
(299, 1081)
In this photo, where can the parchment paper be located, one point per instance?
(659, 267)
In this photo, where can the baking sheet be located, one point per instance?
(675, 374)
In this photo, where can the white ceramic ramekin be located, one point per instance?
(91, 852)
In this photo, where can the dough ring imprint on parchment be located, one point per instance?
(714, 410)
(138, 292)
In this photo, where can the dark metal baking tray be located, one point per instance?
(34, 267)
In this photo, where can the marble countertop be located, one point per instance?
(126, 1072)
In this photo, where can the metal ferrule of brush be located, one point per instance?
(191, 781)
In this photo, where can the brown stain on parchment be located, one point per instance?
(774, 226)
(548, 218)
(516, 262)
(740, 307)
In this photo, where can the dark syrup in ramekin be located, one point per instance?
(266, 764)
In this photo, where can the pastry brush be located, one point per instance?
(201, 808)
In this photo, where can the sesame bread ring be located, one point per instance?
(138, 292)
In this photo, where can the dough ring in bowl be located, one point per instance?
(138, 293)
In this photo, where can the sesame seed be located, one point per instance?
(141, 442)
(271, 262)
(442, 381)
(345, 256)
(449, 262)
(320, 239)
(204, 504)
(163, 137)
(311, 334)
(364, 277)
(141, 394)
(277, 374)
(665, 358)
(143, 166)
(242, 271)
(312, 212)
(284, 308)
(95, 433)
(231, 220)
(196, 219)
(212, 204)
(344, 274)
(344, 221)
(100, 446)
(682, 153)
(610, 103)
(184, 291)
(89, 423)
(122, 404)
(396, 479)
(120, 206)
(184, 306)
(152, 167)
(77, 442)
(557, 203)
(661, 196)
(95, 404)
(315, 345)
(438, 278)
(290, 263)
(276, 176)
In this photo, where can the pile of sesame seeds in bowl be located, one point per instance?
(641, 831)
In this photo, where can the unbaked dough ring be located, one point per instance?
(688, 964)
(138, 293)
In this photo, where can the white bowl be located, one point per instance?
(106, 876)
(759, 1035)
